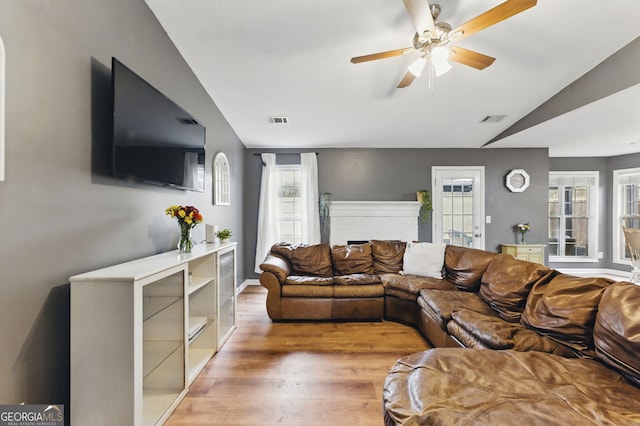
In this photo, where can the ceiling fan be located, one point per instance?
(433, 38)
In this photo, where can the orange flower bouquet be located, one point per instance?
(188, 217)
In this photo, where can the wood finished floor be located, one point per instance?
(296, 373)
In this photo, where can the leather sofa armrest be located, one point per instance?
(275, 271)
(274, 293)
(277, 266)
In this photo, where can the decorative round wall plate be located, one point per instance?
(517, 180)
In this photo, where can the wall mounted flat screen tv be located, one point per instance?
(154, 139)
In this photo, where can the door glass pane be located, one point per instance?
(457, 212)
(227, 294)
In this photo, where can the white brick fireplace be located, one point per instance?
(373, 220)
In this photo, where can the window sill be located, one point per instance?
(597, 272)
(567, 259)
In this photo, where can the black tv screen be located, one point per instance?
(154, 139)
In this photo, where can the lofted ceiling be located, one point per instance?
(291, 58)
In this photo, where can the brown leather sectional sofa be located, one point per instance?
(566, 350)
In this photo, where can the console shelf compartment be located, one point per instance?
(196, 283)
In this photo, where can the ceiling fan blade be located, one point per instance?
(470, 58)
(381, 55)
(420, 14)
(406, 80)
(492, 16)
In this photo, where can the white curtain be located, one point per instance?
(268, 207)
(267, 213)
(309, 209)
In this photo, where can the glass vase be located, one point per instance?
(185, 244)
(523, 241)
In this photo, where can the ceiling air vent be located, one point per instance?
(187, 121)
(493, 118)
(278, 120)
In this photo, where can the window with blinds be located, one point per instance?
(573, 216)
(626, 209)
(289, 219)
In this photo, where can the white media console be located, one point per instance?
(143, 330)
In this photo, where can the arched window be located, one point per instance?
(221, 180)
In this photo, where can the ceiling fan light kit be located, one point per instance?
(440, 60)
(433, 38)
(417, 67)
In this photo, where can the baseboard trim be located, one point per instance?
(245, 283)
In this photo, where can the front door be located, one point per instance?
(458, 205)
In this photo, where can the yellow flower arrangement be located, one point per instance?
(188, 217)
(185, 214)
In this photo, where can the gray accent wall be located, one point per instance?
(60, 212)
(396, 175)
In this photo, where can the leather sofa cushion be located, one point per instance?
(357, 279)
(617, 329)
(467, 339)
(409, 286)
(315, 291)
(387, 256)
(528, 340)
(492, 331)
(565, 309)
(506, 283)
(474, 329)
(352, 259)
(400, 294)
(443, 302)
(306, 259)
(358, 291)
(452, 386)
(308, 280)
(464, 266)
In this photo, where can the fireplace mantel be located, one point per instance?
(373, 220)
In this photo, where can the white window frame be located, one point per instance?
(594, 208)
(617, 211)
